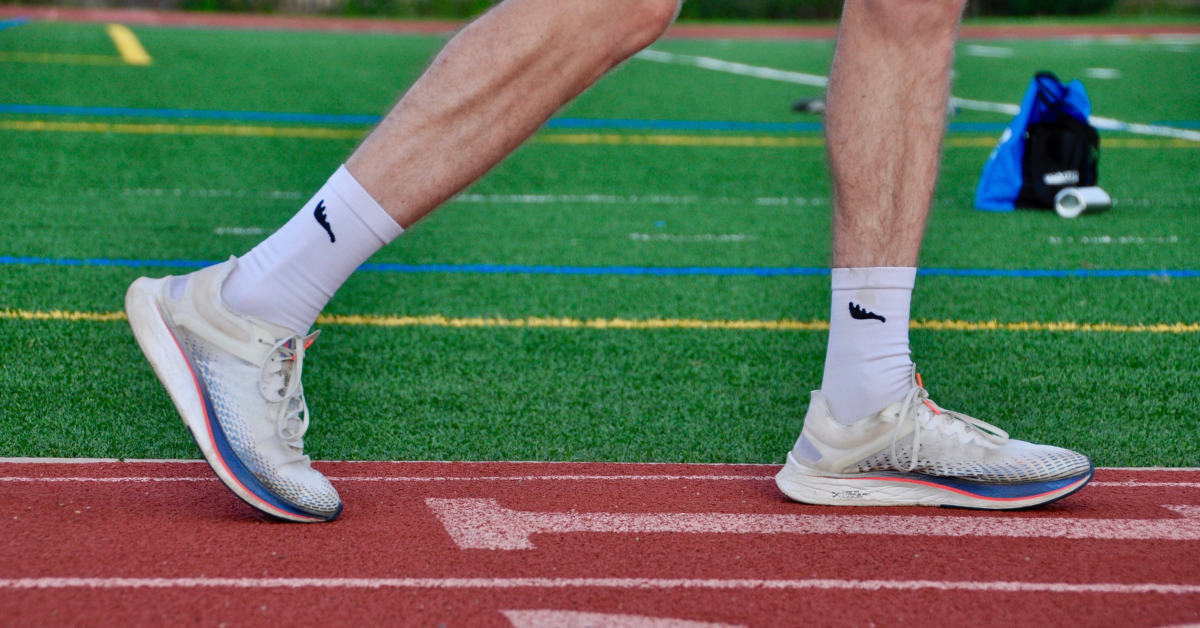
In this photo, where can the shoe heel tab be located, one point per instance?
(817, 403)
(207, 282)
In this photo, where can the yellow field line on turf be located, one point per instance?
(1140, 143)
(129, 49)
(128, 46)
(569, 323)
(1161, 328)
(801, 142)
(648, 323)
(681, 140)
(330, 133)
(60, 315)
(63, 59)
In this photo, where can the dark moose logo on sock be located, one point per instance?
(858, 313)
(319, 214)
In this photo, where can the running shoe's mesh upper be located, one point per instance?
(233, 389)
(1016, 462)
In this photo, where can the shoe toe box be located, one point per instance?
(305, 488)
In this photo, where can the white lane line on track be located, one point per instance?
(503, 478)
(527, 478)
(494, 478)
(112, 480)
(476, 523)
(530, 463)
(1135, 484)
(580, 583)
(771, 74)
(576, 619)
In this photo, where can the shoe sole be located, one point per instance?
(163, 350)
(809, 486)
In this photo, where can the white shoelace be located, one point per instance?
(918, 397)
(280, 382)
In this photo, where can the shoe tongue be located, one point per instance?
(892, 411)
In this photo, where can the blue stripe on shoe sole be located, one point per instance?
(233, 465)
(991, 492)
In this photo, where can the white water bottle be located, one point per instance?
(1071, 202)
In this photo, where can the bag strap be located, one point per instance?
(1051, 94)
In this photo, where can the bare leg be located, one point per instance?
(886, 116)
(887, 99)
(487, 91)
(490, 88)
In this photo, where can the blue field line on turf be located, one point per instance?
(16, 21)
(680, 125)
(189, 114)
(656, 271)
(554, 123)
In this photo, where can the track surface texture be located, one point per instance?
(163, 543)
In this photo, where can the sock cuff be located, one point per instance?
(874, 278)
(359, 201)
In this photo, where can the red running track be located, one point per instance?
(678, 31)
(163, 543)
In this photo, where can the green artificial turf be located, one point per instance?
(82, 388)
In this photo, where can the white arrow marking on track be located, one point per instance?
(483, 524)
(576, 619)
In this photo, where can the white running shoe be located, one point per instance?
(915, 453)
(236, 383)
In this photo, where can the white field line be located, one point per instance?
(239, 231)
(581, 583)
(1102, 73)
(983, 105)
(524, 478)
(799, 78)
(693, 238)
(1119, 240)
(989, 51)
(645, 199)
(285, 195)
(708, 63)
(476, 523)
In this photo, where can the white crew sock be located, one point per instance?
(289, 277)
(867, 365)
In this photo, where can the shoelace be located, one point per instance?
(280, 381)
(918, 397)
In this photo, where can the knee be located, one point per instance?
(911, 19)
(646, 20)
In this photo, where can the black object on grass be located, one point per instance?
(809, 105)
